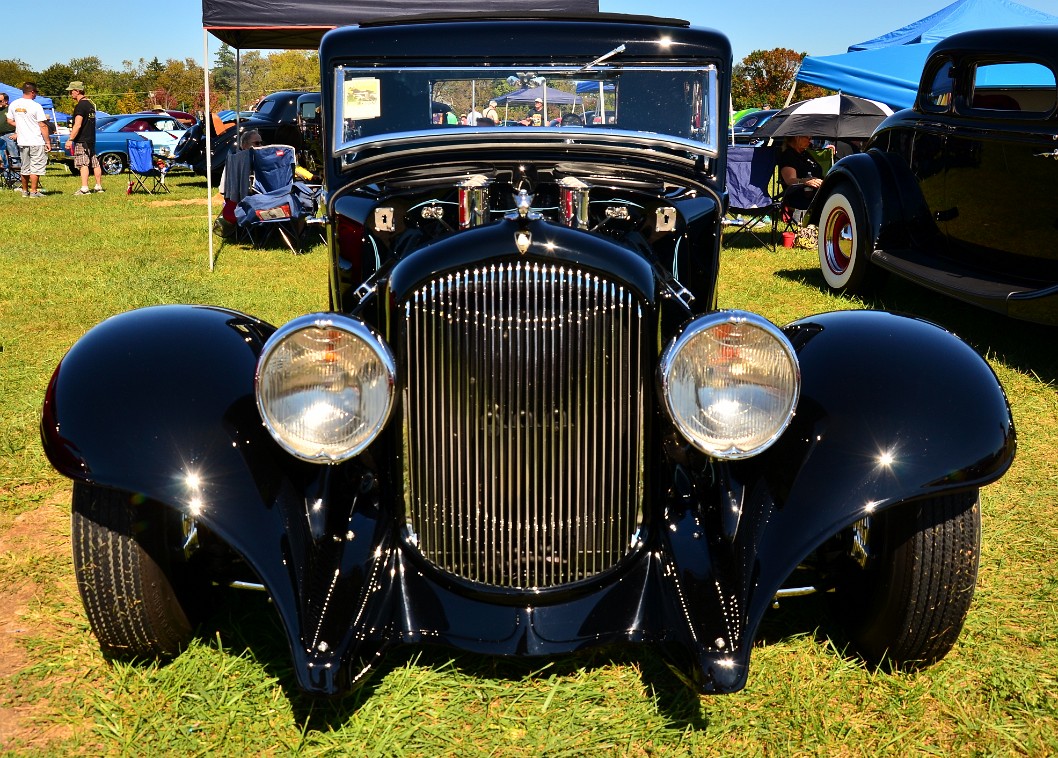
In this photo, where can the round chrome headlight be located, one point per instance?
(325, 385)
(730, 383)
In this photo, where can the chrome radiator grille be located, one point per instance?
(523, 422)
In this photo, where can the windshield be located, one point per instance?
(678, 103)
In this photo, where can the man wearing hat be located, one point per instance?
(490, 113)
(536, 115)
(83, 138)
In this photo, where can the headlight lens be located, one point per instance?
(325, 386)
(730, 383)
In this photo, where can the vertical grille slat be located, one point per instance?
(523, 414)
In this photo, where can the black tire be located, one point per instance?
(112, 163)
(906, 607)
(844, 245)
(123, 560)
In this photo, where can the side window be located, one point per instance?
(1013, 87)
(938, 94)
(139, 125)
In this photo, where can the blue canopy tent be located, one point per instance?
(888, 68)
(530, 94)
(14, 93)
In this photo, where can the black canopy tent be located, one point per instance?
(300, 24)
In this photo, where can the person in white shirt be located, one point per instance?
(31, 132)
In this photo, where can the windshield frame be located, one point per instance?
(703, 102)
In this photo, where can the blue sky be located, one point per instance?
(818, 27)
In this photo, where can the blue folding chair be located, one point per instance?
(750, 185)
(142, 169)
(276, 203)
(10, 163)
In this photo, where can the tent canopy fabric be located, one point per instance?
(960, 16)
(553, 96)
(14, 93)
(300, 24)
(889, 75)
(888, 68)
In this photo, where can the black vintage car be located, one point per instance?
(277, 117)
(524, 428)
(957, 193)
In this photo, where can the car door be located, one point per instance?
(925, 147)
(1002, 169)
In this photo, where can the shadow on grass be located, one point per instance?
(249, 622)
(1021, 345)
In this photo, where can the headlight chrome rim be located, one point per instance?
(729, 448)
(341, 327)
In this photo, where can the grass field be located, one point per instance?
(68, 262)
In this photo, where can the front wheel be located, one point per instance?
(905, 602)
(844, 252)
(112, 163)
(136, 592)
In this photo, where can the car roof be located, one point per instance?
(512, 41)
(1038, 42)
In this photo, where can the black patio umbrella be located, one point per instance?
(834, 116)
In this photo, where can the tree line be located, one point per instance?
(762, 79)
(174, 84)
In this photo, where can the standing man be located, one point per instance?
(31, 131)
(83, 138)
(536, 116)
(5, 127)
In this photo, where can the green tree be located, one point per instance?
(180, 85)
(130, 102)
(15, 73)
(53, 81)
(293, 69)
(253, 70)
(764, 77)
(224, 71)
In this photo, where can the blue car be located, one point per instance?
(113, 133)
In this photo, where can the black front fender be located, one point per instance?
(892, 409)
(149, 397)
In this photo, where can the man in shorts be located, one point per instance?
(83, 138)
(31, 131)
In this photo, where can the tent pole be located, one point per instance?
(238, 91)
(207, 118)
(793, 86)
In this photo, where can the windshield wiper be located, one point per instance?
(619, 49)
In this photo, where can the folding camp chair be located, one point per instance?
(141, 168)
(751, 184)
(10, 163)
(276, 203)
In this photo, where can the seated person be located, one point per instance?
(572, 119)
(799, 173)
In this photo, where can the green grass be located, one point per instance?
(69, 262)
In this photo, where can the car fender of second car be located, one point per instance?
(159, 402)
(890, 203)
